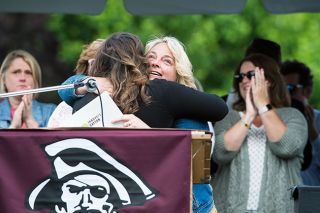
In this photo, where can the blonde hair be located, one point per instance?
(89, 52)
(183, 64)
(29, 59)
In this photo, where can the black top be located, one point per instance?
(171, 101)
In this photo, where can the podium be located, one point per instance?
(201, 156)
(137, 170)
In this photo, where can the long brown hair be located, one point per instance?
(278, 93)
(121, 59)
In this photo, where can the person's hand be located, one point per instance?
(251, 111)
(259, 87)
(17, 117)
(131, 121)
(27, 116)
(27, 109)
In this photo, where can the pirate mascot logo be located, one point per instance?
(85, 178)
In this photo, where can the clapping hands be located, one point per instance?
(257, 95)
(23, 114)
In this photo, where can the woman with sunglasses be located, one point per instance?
(259, 144)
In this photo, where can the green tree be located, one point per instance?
(215, 43)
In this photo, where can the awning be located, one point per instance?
(156, 7)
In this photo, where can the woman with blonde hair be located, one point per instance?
(21, 71)
(87, 55)
(183, 67)
(122, 69)
(167, 60)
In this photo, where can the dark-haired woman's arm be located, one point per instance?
(185, 102)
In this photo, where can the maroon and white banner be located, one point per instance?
(95, 170)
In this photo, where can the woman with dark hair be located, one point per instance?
(121, 63)
(167, 59)
(259, 144)
(63, 110)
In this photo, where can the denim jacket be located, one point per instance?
(41, 112)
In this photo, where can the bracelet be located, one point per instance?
(247, 125)
(265, 108)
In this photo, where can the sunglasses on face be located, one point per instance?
(241, 76)
(292, 87)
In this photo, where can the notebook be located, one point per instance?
(90, 115)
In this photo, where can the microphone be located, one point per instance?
(91, 85)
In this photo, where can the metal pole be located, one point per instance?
(39, 90)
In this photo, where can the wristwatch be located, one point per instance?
(265, 108)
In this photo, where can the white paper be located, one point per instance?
(90, 115)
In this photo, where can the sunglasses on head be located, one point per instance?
(293, 87)
(241, 76)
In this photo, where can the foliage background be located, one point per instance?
(215, 43)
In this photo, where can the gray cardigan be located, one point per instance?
(281, 167)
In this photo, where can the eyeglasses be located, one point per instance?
(241, 76)
(292, 87)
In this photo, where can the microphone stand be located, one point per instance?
(43, 89)
(91, 87)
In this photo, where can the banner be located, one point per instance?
(95, 170)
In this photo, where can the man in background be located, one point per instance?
(299, 83)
